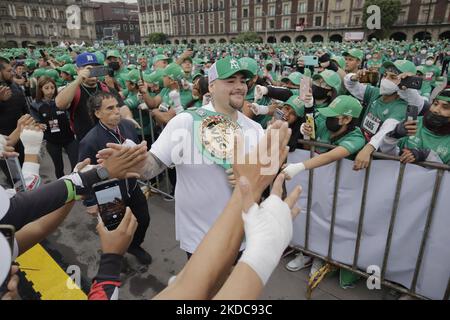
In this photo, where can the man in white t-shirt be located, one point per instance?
(202, 190)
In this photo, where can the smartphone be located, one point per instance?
(411, 82)
(43, 55)
(15, 172)
(69, 48)
(279, 114)
(310, 60)
(99, 71)
(8, 232)
(412, 112)
(110, 203)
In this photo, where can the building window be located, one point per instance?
(357, 20)
(258, 11)
(287, 8)
(233, 13)
(245, 25)
(338, 4)
(272, 10)
(38, 30)
(337, 21)
(286, 23)
(318, 22)
(319, 6)
(245, 13)
(258, 25)
(272, 24)
(302, 7)
(233, 26)
(233, 3)
(358, 4)
(8, 28)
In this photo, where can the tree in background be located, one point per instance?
(157, 38)
(390, 10)
(247, 37)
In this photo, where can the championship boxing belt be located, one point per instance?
(214, 136)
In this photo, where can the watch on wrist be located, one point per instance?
(102, 173)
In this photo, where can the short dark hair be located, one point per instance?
(95, 103)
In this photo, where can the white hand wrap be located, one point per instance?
(32, 141)
(175, 96)
(259, 109)
(260, 91)
(268, 231)
(3, 143)
(293, 169)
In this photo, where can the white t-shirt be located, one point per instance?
(202, 189)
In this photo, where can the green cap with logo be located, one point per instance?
(64, 58)
(331, 78)
(30, 63)
(69, 69)
(297, 105)
(113, 53)
(225, 68)
(342, 106)
(339, 60)
(132, 76)
(355, 53)
(250, 65)
(156, 77)
(174, 71)
(294, 77)
(403, 66)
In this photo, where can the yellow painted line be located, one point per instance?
(49, 280)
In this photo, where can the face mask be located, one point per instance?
(387, 87)
(114, 65)
(423, 51)
(368, 57)
(437, 124)
(429, 62)
(319, 93)
(333, 124)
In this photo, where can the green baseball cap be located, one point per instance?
(331, 78)
(225, 68)
(174, 71)
(160, 57)
(156, 77)
(421, 69)
(39, 72)
(132, 76)
(6, 58)
(297, 105)
(30, 63)
(249, 64)
(64, 58)
(52, 73)
(196, 75)
(113, 53)
(100, 57)
(339, 60)
(294, 77)
(355, 53)
(69, 69)
(401, 65)
(342, 106)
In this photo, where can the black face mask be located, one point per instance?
(114, 65)
(437, 124)
(319, 93)
(333, 124)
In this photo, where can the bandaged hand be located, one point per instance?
(268, 229)
(260, 91)
(32, 140)
(293, 169)
(259, 109)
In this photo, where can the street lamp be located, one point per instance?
(50, 37)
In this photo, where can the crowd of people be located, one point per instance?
(135, 112)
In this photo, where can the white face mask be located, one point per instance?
(423, 51)
(429, 62)
(387, 87)
(368, 57)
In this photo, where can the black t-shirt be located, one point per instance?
(57, 121)
(83, 122)
(12, 109)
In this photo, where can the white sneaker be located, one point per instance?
(298, 263)
(316, 265)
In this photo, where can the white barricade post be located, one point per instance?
(411, 219)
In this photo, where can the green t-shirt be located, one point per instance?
(353, 141)
(120, 77)
(431, 72)
(425, 139)
(378, 111)
(185, 97)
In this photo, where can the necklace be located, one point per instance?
(87, 91)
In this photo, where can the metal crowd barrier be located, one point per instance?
(353, 268)
(156, 187)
